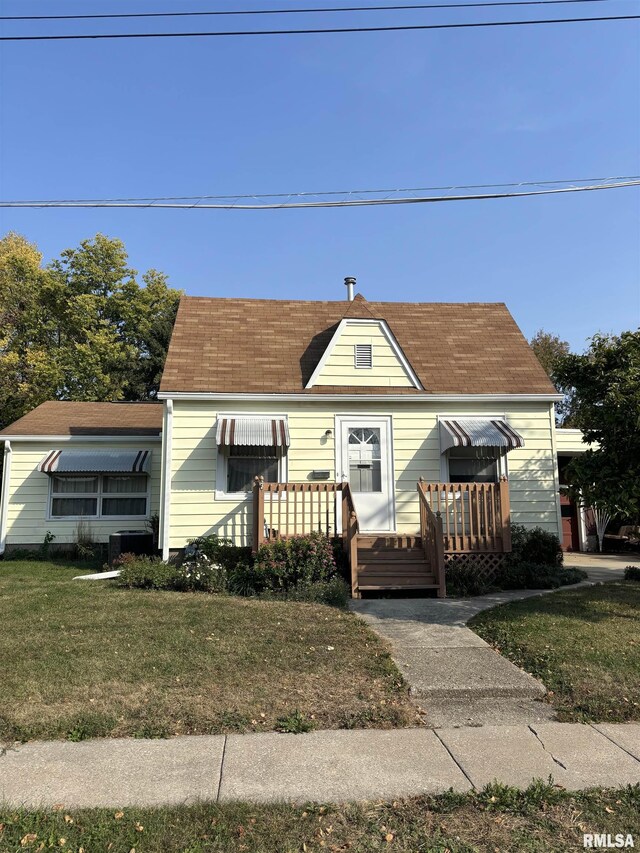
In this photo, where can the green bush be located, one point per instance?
(285, 563)
(334, 592)
(463, 580)
(534, 545)
(142, 572)
(632, 573)
(200, 574)
(219, 550)
(535, 576)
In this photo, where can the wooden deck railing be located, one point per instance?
(432, 539)
(475, 516)
(282, 510)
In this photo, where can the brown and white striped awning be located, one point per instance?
(96, 462)
(254, 432)
(478, 432)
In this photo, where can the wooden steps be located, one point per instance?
(393, 562)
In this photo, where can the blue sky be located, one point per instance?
(293, 114)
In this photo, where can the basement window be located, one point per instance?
(363, 356)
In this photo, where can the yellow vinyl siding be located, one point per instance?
(569, 442)
(27, 521)
(387, 369)
(195, 509)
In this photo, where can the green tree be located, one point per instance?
(550, 350)
(82, 328)
(606, 407)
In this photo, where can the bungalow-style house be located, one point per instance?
(414, 431)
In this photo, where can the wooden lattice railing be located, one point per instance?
(282, 510)
(475, 516)
(432, 539)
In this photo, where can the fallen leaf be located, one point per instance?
(27, 839)
(68, 818)
(118, 815)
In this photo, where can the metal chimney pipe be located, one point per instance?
(349, 283)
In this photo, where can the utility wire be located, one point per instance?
(328, 10)
(371, 202)
(386, 191)
(76, 37)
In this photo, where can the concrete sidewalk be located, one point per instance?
(325, 766)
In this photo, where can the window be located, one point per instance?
(245, 463)
(363, 355)
(100, 496)
(473, 465)
(365, 464)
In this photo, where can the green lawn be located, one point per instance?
(538, 820)
(87, 659)
(583, 644)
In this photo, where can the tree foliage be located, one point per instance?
(81, 328)
(550, 350)
(606, 407)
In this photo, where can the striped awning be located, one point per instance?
(478, 432)
(254, 432)
(96, 462)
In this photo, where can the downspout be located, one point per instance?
(4, 497)
(556, 475)
(167, 439)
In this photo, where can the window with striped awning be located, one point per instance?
(96, 462)
(478, 432)
(252, 432)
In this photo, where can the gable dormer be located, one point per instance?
(363, 352)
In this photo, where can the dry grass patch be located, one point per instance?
(583, 644)
(538, 820)
(85, 659)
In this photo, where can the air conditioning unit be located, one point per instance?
(130, 542)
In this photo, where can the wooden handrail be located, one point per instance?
(432, 539)
(475, 516)
(283, 510)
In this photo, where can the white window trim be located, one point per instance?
(99, 495)
(221, 459)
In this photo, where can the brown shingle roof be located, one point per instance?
(273, 346)
(64, 418)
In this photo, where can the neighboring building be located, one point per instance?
(315, 395)
(576, 518)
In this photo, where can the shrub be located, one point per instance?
(145, 572)
(463, 579)
(200, 574)
(286, 563)
(534, 545)
(245, 579)
(632, 573)
(334, 592)
(535, 576)
(219, 550)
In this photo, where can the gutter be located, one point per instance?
(4, 497)
(365, 398)
(167, 440)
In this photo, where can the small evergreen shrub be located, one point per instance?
(218, 550)
(534, 545)
(335, 592)
(535, 576)
(632, 573)
(463, 579)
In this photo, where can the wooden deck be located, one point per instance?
(455, 518)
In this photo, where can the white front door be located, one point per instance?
(364, 460)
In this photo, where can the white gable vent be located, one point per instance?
(363, 355)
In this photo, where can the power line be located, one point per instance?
(318, 31)
(385, 191)
(328, 10)
(147, 204)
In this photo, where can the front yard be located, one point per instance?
(584, 645)
(87, 659)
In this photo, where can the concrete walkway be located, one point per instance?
(457, 678)
(325, 766)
